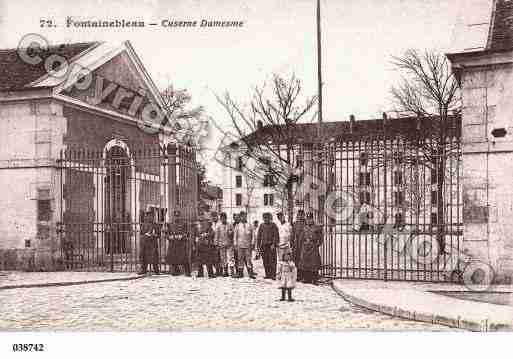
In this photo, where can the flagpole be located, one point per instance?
(319, 61)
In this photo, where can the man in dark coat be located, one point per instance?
(267, 242)
(150, 234)
(298, 237)
(205, 242)
(236, 221)
(216, 255)
(310, 260)
(178, 251)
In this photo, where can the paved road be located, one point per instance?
(181, 303)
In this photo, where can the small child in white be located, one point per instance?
(287, 275)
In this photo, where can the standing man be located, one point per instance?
(268, 239)
(255, 233)
(178, 251)
(223, 232)
(284, 231)
(215, 250)
(298, 237)
(243, 241)
(310, 261)
(235, 254)
(204, 245)
(149, 243)
(216, 259)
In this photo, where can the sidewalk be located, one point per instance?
(12, 280)
(421, 302)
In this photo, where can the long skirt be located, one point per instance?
(177, 252)
(149, 250)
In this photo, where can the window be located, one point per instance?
(434, 218)
(268, 199)
(398, 198)
(365, 221)
(238, 181)
(434, 176)
(269, 181)
(365, 197)
(320, 170)
(238, 199)
(158, 213)
(364, 179)
(399, 220)
(398, 158)
(240, 163)
(364, 159)
(299, 162)
(398, 178)
(434, 198)
(44, 210)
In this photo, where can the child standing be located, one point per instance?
(287, 275)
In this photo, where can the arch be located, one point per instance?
(116, 142)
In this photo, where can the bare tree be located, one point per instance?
(429, 91)
(185, 118)
(274, 111)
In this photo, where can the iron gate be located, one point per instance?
(104, 194)
(390, 207)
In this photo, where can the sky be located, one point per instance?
(278, 36)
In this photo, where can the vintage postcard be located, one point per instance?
(280, 165)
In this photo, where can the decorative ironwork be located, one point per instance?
(105, 193)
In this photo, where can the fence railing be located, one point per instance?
(104, 194)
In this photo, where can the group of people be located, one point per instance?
(289, 252)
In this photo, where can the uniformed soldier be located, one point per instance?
(310, 261)
(150, 234)
(267, 242)
(222, 240)
(204, 243)
(298, 237)
(178, 251)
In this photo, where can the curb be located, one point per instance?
(459, 323)
(64, 284)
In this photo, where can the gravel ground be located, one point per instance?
(168, 303)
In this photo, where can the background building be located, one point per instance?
(211, 199)
(357, 177)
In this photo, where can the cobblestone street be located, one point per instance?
(166, 303)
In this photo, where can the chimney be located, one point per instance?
(259, 125)
(418, 123)
(385, 120)
(352, 123)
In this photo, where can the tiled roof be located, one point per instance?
(15, 73)
(359, 130)
(501, 36)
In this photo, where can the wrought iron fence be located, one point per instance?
(390, 208)
(105, 193)
(390, 204)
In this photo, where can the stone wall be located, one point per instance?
(30, 140)
(488, 165)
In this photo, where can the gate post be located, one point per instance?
(171, 193)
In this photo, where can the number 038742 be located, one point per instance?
(28, 347)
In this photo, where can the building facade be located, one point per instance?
(85, 148)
